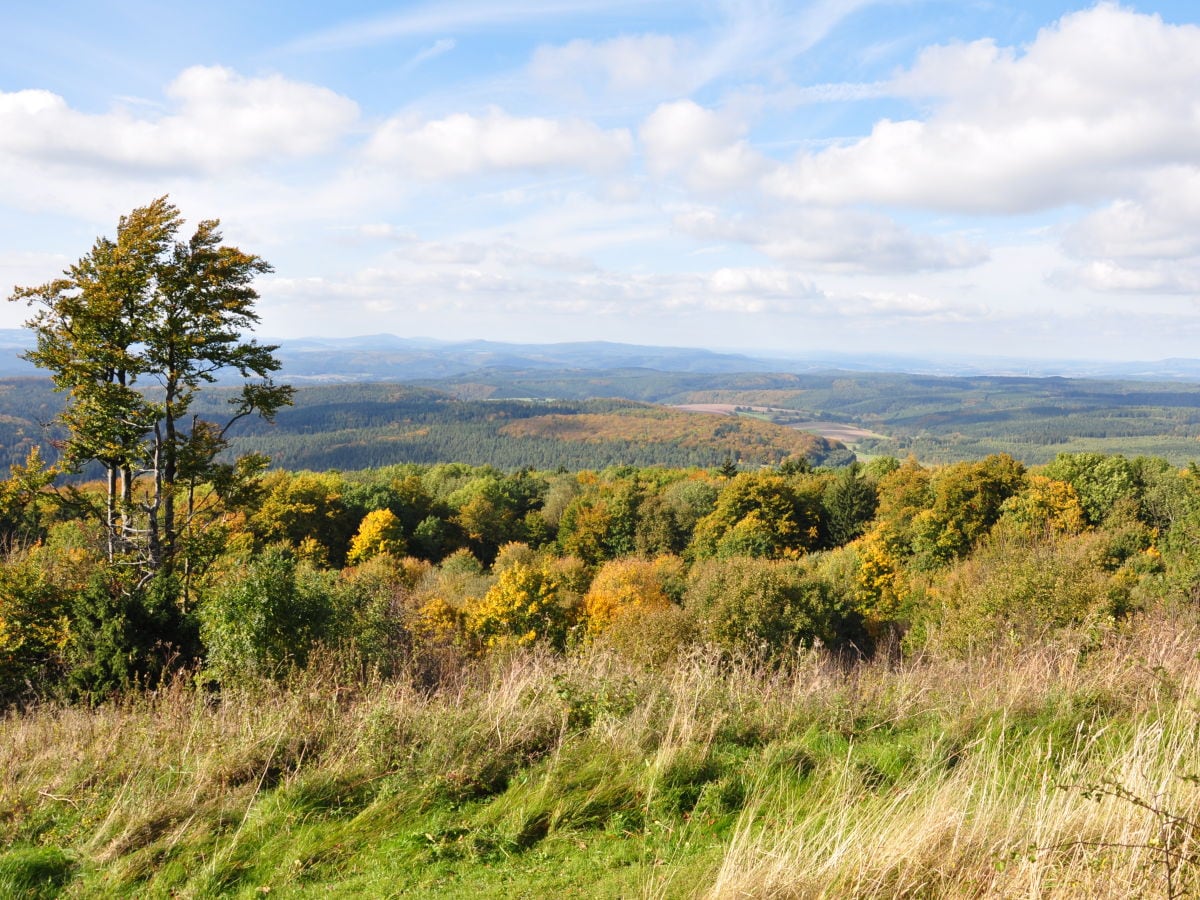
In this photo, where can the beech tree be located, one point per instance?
(130, 333)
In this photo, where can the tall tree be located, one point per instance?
(131, 332)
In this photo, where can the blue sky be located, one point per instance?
(915, 176)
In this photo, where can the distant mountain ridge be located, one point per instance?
(387, 357)
(384, 357)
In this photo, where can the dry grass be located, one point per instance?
(930, 778)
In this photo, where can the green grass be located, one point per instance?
(938, 777)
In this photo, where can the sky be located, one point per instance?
(924, 177)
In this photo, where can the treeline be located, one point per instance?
(425, 566)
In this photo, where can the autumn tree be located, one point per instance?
(130, 333)
(522, 608)
(763, 514)
(379, 532)
(623, 587)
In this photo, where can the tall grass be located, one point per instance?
(533, 773)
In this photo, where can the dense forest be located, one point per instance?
(354, 426)
(492, 420)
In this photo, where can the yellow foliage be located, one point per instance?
(880, 587)
(521, 608)
(379, 532)
(1046, 507)
(436, 623)
(623, 587)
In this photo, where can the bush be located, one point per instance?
(622, 588)
(523, 607)
(33, 628)
(1020, 589)
(758, 605)
(268, 619)
(125, 634)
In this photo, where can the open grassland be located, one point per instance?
(1055, 768)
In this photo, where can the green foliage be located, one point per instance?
(967, 499)
(34, 628)
(491, 510)
(763, 514)
(305, 507)
(21, 498)
(1022, 589)
(266, 620)
(766, 606)
(1099, 481)
(126, 634)
(130, 333)
(850, 500)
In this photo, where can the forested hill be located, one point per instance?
(361, 425)
(487, 416)
(936, 418)
(364, 425)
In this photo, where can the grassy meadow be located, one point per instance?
(1037, 768)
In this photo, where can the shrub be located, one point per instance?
(124, 633)
(33, 627)
(622, 587)
(1021, 589)
(767, 606)
(267, 619)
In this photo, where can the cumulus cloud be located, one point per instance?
(1078, 116)
(216, 118)
(837, 240)
(1150, 243)
(462, 144)
(703, 146)
(1164, 222)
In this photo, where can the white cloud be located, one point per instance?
(1107, 276)
(1164, 222)
(1078, 116)
(501, 254)
(462, 144)
(703, 146)
(217, 118)
(837, 240)
(480, 282)
(1150, 243)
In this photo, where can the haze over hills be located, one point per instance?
(387, 357)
